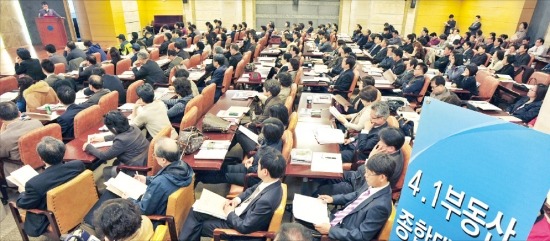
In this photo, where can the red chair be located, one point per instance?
(195, 60)
(189, 42)
(240, 70)
(108, 102)
(196, 39)
(227, 79)
(109, 68)
(155, 55)
(59, 68)
(196, 101)
(420, 96)
(131, 93)
(486, 88)
(489, 57)
(208, 94)
(85, 119)
(539, 78)
(97, 56)
(158, 39)
(123, 65)
(171, 46)
(246, 56)
(8, 84)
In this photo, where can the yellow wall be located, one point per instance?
(100, 21)
(501, 17)
(149, 8)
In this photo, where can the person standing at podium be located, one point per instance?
(47, 12)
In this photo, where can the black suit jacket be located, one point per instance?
(217, 78)
(234, 60)
(30, 67)
(374, 49)
(380, 56)
(84, 74)
(478, 59)
(522, 59)
(151, 72)
(36, 189)
(257, 215)
(468, 54)
(344, 82)
(366, 220)
(112, 83)
(66, 120)
(366, 142)
(398, 67)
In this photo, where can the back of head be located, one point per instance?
(381, 164)
(200, 45)
(182, 73)
(96, 81)
(392, 136)
(368, 81)
(117, 219)
(381, 109)
(272, 129)
(439, 80)
(285, 79)
(142, 55)
(368, 93)
(172, 52)
(116, 122)
(47, 66)
(66, 94)
(23, 53)
(182, 86)
(91, 59)
(8, 111)
(295, 64)
(350, 61)
(88, 43)
(219, 58)
(71, 45)
(168, 149)
(146, 93)
(51, 150)
(293, 232)
(272, 86)
(50, 48)
(178, 45)
(273, 161)
(98, 71)
(280, 112)
(472, 69)
(218, 50)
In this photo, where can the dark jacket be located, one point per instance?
(36, 189)
(525, 112)
(56, 59)
(73, 54)
(407, 48)
(474, 27)
(84, 74)
(66, 120)
(441, 63)
(112, 83)
(325, 47)
(163, 48)
(379, 56)
(183, 54)
(97, 49)
(507, 70)
(403, 78)
(30, 67)
(374, 49)
(367, 142)
(386, 63)
(271, 101)
(176, 108)
(94, 99)
(468, 54)
(150, 72)
(217, 78)
(478, 59)
(366, 220)
(344, 82)
(159, 187)
(129, 147)
(414, 87)
(234, 60)
(468, 83)
(522, 59)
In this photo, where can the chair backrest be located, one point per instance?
(97, 56)
(406, 150)
(189, 42)
(109, 54)
(75, 63)
(277, 218)
(487, 87)
(246, 56)
(384, 234)
(392, 121)
(354, 83)
(86, 119)
(196, 39)
(424, 89)
(288, 142)
(171, 46)
(108, 102)
(27, 144)
(204, 55)
(123, 65)
(195, 60)
(298, 78)
(257, 51)
(158, 39)
(160, 234)
(292, 122)
(59, 68)
(539, 78)
(489, 57)
(71, 201)
(196, 101)
(186, 63)
(155, 55)
(8, 84)
(151, 162)
(208, 94)
(172, 74)
(302, 61)
(109, 68)
(531, 60)
(240, 69)
(190, 118)
(480, 76)
(288, 103)
(179, 204)
(131, 93)
(227, 76)
(219, 43)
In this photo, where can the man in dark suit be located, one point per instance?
(51, 151)
(310, 29)
(441, 63)
(367, 209)
(217, 76)
(468, 51)
(148, 70)
(249, 212)
(345, 79)
(95, 83)
(110, 82)
(415, 85)
(72, 52)
(480, 57)
(382, 53)
(235, 57)
(55, 58)
(67, 96)
(180, 52)
(85, 70)
(174, 61)
(522, 57)
(398, 66)
(387, 62)
(324, 44)
(376, 47)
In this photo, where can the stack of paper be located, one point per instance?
(484, 105)
(125, 186)
(9, 96)
(309, 209)
(326, 162)
(58, 106)
(211, 144)
(126, 74)
(329, 136)
(322, 99)
(127, 107)
(210, 203)
(195, 75)
(301, 156)
(248, 133)
(100, 144)
(213, 150)
(21, 176)
(321, 79)
(320, 68)
(243, 95)
(162, 62)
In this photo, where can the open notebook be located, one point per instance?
(210, 203)
(21, 176)
(125, 186)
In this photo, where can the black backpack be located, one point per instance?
(406, 126)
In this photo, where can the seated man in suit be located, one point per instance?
(174, 61)
(180, 52)
(67, 96)
(522, 57)
(440, 92)
(72, 52)
(95, 83)
(375, 48)
(86, 67)
(387, 61)
(11, 129)
(367, 209)
(53, 79)
(480, 57)
(398, 66)
(468, 51)
(368, 138)
(324, 44)
(235, 57)
(149, 70)
(110, 82)
(55, 58)
(382, 53)
(252, 210)
(345, 79)
(407, 75)
(415, 85)
(217, 76)
(441, 63)
(51, 152)
(391, 141)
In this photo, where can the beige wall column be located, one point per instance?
(372, 14)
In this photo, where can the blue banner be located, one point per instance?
(472, 177)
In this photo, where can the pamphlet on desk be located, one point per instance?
(126, 186)
(309, 209)
(57, 106)
(320, 68)
(9, 96)
(100, 144)
(329, 136)
(341, 100)
(322, 99)
(335, 113)
(484, 105)
(301, 156)
(126, 74)
(314, 113)
(210, 203)
(213, 150)
(127, 107)
(326, 162)
(21, 176)
(244, 95)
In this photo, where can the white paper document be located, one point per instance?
(211, 144)
(322, 99)
(320, 68)
(484, 105)
(210, 203)
(335, 112)
(102, 144)
(329, 136)
(8, 96)
(301, 156)
(309, 209)
(214, 154)
(126, 186)
(509, 118)
(21, 176)
(243, 95)
(248, 133)
(127, 106)
(326, 162)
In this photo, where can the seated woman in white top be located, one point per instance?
(496, 62)
(356, 121)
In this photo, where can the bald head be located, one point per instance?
(168, 149)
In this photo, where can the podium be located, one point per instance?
(52, 31)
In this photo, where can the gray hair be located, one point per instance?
(51, 150)
(168, 149)
(273, 86)
(218, 50)
(142, 55)
(381, 109)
